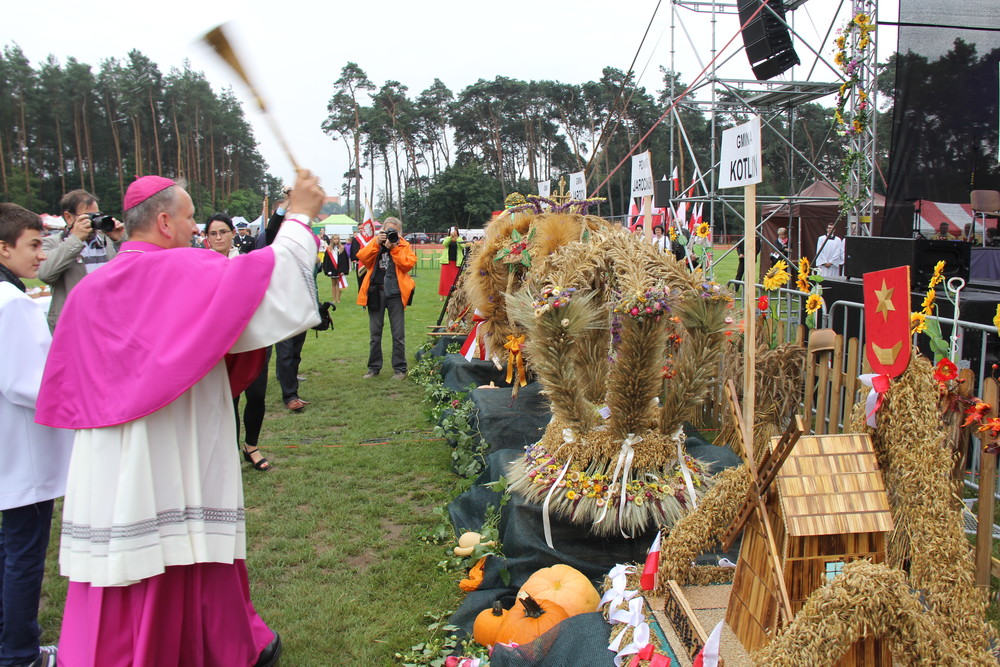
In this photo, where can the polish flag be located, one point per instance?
(648, 579)
(366, 230)
(696, 210)
(634, 215)
(709, 654)
(682, 214)
(675, 177)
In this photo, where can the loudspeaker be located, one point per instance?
(863, 254)
(766, 38)
(957, 256)
(661, 193)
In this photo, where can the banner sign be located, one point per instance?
(544, 188)
(887, 320)
(740, 163)
(642, 175)
(578, 185)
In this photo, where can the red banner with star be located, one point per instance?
(887, 320)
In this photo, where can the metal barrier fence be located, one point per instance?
(787, 309)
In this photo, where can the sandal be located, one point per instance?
(261, 464)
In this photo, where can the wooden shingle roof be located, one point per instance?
(832, 484)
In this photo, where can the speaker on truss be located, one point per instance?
(661, 193)
(766, 38)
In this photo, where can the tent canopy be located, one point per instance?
(806, 218)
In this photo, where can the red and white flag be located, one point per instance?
(675, 177)
(709, 654)
(648, 579)
(366, 230)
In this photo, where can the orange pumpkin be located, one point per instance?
(528, 620)
(484, 630)
(566, 586)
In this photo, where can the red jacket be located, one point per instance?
(402, 256)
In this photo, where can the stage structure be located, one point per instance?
(723, 98)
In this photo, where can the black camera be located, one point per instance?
(326, 321)
(392, 236)
(102, 222)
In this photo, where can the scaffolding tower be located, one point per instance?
(719, 94)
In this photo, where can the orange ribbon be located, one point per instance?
(514, 356)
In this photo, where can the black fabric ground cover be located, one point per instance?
(525, 550)
(458, 373)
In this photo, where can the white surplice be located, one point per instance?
(166, 489)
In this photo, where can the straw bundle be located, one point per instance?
(916, 466)
(779, 381)
(865, 599)
(698, 531)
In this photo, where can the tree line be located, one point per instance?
(450, 158)
(65, 126)
(442, 157)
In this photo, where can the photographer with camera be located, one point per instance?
(387, 286)
(89, 241)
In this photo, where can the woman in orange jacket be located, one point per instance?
(387, 287)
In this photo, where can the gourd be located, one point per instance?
(484, 629)
(528, 620)
(566, 586)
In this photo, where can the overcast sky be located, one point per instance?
(295, 50)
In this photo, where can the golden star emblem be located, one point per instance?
(884, 297)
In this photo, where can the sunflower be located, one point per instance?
(996, 318)
(803, 279)
(928, 305)
(918, 322)
(777, 276)
(938, 276)
(813, 303)
(703, 230)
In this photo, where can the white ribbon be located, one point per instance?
(872, 399)
(640, 637)
(625, 456)
(617, 593)
(632, 616)
(568, 438)
(685, 472)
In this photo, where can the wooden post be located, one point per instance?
(987, 483)
(749, 310)
(647, 217)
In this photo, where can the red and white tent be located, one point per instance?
(932, 214)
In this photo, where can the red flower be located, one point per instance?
(762, 303)
(975, 414)
(945, 371)
(992, 425)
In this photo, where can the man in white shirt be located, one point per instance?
(35, 458)
(829, 253)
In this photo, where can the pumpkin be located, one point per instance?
(528, 620)
(566, 586)
(484, 630)
(469, 539)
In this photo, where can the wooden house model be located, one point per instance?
(828, 507)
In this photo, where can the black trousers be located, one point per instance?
(253, 412)
(378, 304)
(289, 356)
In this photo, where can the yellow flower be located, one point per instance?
(996, 318)
(928, 305)
(856, 125)
(838, 58)
(571, 495)
(938, 276)
(777, 276)
(803, 279)
(703, 230)
(813, 303)
(918, 322)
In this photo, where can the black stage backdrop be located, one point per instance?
(945, 113)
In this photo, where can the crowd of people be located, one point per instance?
(139, 369)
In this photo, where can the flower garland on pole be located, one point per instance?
(852, 44)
